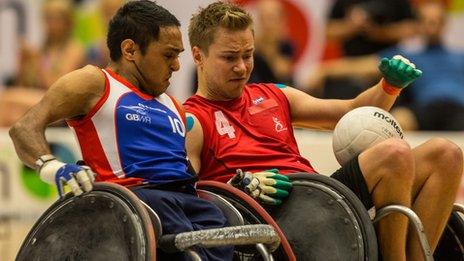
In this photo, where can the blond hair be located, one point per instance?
(204, 24)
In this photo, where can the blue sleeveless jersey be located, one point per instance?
(131, 138)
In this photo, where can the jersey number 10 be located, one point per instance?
(176, 126)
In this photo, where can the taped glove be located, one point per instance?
(268, 187)
(399, 71)
(78, 177)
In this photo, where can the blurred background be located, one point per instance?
(328, 48)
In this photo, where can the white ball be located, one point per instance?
(361, 128)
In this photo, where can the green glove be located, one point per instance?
(268, 187)
(399, 71)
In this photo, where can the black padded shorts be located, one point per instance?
(351, 176)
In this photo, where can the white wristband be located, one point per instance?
(48, 170)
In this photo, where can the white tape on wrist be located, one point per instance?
(48, 171)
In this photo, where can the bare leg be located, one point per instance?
(439, 166)
(388, 169)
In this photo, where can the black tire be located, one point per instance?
(451, 244)
(341, 229)
(108, 223)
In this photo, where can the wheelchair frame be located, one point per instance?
(140, 220)
(245, 214)
(454, 230)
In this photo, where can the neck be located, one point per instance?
(128, 73)
(206, 92)
(211, 94)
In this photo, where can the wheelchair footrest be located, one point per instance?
(236, 235)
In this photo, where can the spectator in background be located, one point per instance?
(40, 67)
(368, 26)
(364, 27)
(274, 51)
(59, 54)
(437, 100)
(97, 53)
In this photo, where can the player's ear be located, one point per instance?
(128, 49)
(198, 55)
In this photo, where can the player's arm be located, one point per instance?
(71, 96)
(310, 112)
(194, 141)
(359, 66)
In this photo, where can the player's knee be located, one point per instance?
(397, 156)
(444, 149)
(446, 155)
(395, 152)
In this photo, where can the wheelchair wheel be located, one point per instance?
(253, 213)
(323, 220)
(451, 244)
(108, 223)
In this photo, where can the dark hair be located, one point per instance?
(139, 21)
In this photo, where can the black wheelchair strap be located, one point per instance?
(183, 185)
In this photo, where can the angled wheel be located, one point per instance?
(323, 220)
(108, 223)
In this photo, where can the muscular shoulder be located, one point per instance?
(88, 77)
(80, 89)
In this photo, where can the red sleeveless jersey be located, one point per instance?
(253, 132)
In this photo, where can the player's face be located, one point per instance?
(227, 66)
(160, 60)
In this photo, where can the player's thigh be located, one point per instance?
(351, 176)
(392, 158)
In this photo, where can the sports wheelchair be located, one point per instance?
(321, 220)
(111, 223)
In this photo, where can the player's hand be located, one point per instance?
(399, 71)
(79, 178)
(268, 187)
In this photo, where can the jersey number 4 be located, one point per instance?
(223, 126)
